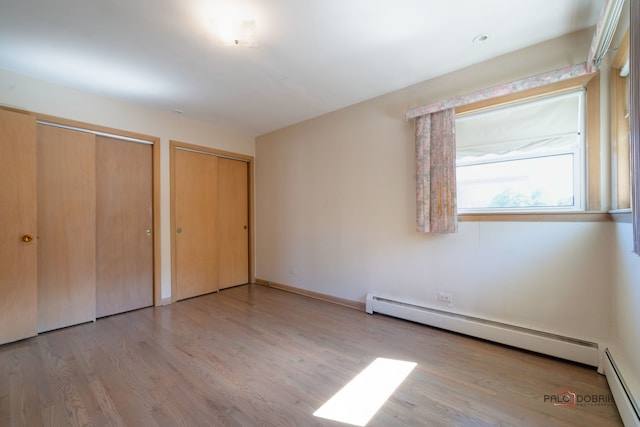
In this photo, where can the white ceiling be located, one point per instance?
(312, 56)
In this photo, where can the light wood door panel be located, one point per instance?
(196, 248)
(66, 227)
(124, 244)
(233, 221)
(18, 210)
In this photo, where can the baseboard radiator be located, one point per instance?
(529, 339)
(627, 405)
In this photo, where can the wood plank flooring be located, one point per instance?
(256, 356)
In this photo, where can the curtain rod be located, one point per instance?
(532, 82)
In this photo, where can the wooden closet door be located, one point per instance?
(66, 227)
(233, 221)
(18, 209)
(196, 247)
(124, 206)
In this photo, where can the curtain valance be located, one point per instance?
(532, 82)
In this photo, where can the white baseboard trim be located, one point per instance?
(568, 348)
(628, 407)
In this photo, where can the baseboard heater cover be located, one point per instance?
(627, 405)
(568, 348)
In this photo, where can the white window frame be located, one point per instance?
(579, 161)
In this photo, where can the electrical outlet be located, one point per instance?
(445, 297)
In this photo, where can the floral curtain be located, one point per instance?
(436, 172)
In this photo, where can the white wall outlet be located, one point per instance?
(445, 297)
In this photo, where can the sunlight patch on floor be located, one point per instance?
(363, 396)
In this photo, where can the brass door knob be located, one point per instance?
(27, 238)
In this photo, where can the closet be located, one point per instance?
(196, 248)
(210, 207)
(233, 219)
(77, 216)
(124, 217)
(95, 255)
(66, 227)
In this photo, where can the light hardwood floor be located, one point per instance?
(255, 356)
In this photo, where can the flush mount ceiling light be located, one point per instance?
(236, 33)
(234, 26)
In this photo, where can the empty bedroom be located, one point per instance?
(296, 213)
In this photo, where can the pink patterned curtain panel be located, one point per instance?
(436, 173)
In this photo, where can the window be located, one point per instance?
(525, 156)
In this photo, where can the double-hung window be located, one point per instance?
(526, 156)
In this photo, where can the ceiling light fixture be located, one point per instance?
(234, 26)
(236, 33)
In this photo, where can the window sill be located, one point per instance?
(621, 215)
(537, 217)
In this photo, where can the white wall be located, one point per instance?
(335, 214)
(625, 340)
(26, 93)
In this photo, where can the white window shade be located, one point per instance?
(549, 123)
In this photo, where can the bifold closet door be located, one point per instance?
(233, 222)
(66, 227)
(18, 227)
(124, 219)
(196, 237)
